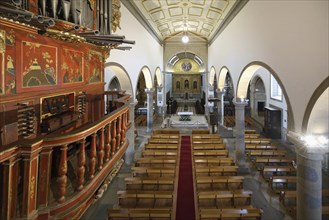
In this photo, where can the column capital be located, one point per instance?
(313, 150)
(149, 90)
(220, 91)
(240, 103)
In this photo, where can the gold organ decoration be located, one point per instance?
(116, 15)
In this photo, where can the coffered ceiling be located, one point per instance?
(167, 18)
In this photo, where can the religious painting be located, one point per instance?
(7, 62)
(94, 66)
(72, 66)
(39, 65)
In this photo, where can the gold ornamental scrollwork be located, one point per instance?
(32, 187)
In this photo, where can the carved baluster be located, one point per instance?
(101, 149)
(62, 171)
(81, 165)
(108, 143)
(92, 155)
(127, 117)
(123, 130)
(114, 134)
(119, 132)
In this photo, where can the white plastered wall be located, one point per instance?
(146, 52)
(291, 37)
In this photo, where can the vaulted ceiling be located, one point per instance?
(168, 18)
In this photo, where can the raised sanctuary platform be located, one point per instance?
(196, 121)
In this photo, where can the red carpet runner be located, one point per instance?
(185, 209)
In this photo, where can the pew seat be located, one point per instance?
(155, 162)
(150, 183)
(206, 183)
(266, 153)
(145, 199)
(163, 141)
(224, 199)
(153, 172)
(154, 153)
(279, 183)
(205, 136)
(268, 171)
(209, 146)
(207, 141)
(161, 146)
(165, 136)
(257, 141)
(216, 170)
(230, 213)
(209, 161)
(210, 153)
(259, 162)
(139, 213)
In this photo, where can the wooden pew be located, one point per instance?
(259, 162)
(139, 213)
(279, 183)
(206, 161)
(288, 197)
(257, 141)
(170, 131)
(210, 153)
(152, 172)
(163, 141)
(207, 141)
(230, 213)
(155, 162)
(160, 153)
(145, 199)
(250, 147)
(216, 170)
(267, 153)
(251, 136)
(207, 183)
(224, 199)
(161, 146)
(200, 131)
(150, 183)
(250, 131)
(209, 146)
(268, 171)
(205, 136)
(165, 136)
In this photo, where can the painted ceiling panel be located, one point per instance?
(166, 18)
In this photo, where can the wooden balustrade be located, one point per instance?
(45, 168)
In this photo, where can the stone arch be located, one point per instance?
(317, 106)
(158, 77)
(148, 77)
(245, 78)
(116, 70)
(212, 75)
(222, 78)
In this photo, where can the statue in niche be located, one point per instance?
(195, 85)
(186, 84)
(177, 85)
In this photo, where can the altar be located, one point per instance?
(188, 121)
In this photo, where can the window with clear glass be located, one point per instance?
(276, 92)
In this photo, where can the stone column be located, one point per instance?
(239, 131)
(309, 182)
(149, 93)
(220, 94)
(309, 175)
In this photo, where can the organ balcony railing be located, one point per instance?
(58, 175)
